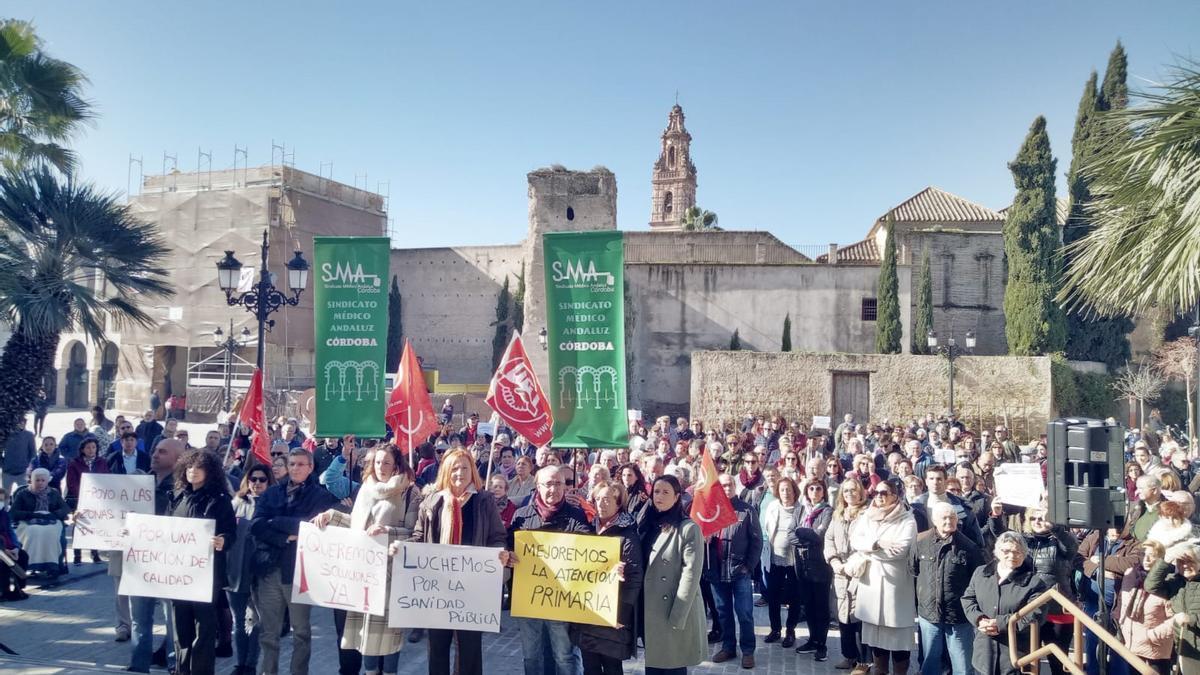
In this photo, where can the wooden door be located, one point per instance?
(851, 394)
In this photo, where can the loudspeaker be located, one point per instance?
(1085, 473)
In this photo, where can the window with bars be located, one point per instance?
(869, 309)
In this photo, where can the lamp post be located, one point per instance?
(263, 298)
(230, 345)
(951, 351)
(542, 338)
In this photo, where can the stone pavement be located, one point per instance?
(67, 628)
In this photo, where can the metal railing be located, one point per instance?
(1074, 663)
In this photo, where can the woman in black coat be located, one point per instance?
(997, 590)
(604, 648)
(814, 576)
(202, 491)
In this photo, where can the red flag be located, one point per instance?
(517, 396)
(711, 508)
(253, 416)
(409, 411)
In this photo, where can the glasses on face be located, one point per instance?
(1037, 519)
(815, 488)
(555, 483)
(882, 493)
(257, 479)
(277, 454)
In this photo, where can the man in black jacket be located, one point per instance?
(935, 482)
(728, 562)
(549, 511)
(275, 527)
(943, 560)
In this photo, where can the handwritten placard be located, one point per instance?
(168, 558)
(104, 501)
(449, 587)
(340, 568)
(566, 577)
(1019, 484)
(821, 422)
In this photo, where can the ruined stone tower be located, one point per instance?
(674, 178)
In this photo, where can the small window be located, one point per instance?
(667, 203)
(570, 213)
(671, 157)
(869, 309)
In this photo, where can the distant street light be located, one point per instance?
(542, 337)
(230, 345)
(951, 351)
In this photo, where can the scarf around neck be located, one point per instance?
(748, 481)
(544, 510)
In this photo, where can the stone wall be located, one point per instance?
(1014, 390)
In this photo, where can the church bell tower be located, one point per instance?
(674, 179)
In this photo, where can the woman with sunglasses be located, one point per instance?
(886, 603)
(239, 568)
(813, 573)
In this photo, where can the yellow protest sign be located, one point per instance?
(566, 577)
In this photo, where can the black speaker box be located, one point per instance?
(1085, 476)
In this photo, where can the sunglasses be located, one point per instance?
(882, 493)
(815, 488)
(277, 454)
(257, 479)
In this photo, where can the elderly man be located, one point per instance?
(1144, 513)
(162, 465)
(943, 560)
(728, 564)
(68, 445)
(548, 511)
(915, 453)
(275, 527)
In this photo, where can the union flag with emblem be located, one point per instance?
(517, 396)
(711, 508)
(409, 410)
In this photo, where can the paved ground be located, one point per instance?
(67, 628)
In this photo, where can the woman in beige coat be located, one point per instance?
(387, 503)
(673, 615)
(851, 501)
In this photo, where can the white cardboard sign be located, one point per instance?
(1019, 484)
(104, 501)
(443, 586)
(168, 557)
(340, 568)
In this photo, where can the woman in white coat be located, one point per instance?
(886, 603)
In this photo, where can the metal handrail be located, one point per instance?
(1082, 620)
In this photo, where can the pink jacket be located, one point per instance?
(1153, 636)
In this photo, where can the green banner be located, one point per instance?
(350, 311)
(585, 325)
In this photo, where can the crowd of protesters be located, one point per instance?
(891, 532)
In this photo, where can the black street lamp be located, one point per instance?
(230, 345)
(263, 298)
(542, 338)
(951, 351)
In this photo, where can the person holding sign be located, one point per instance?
(202, 491)
(549, 511)
(387, 503)
(88, 461)
(604, 648)
(458, 513)
(673, 617)
(240, 568)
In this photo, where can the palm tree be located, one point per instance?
(696, 219)
(1144, 252)
(70, 258)
(41, 101)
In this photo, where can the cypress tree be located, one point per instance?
(518, 321)
(1093, 338)
(735, 342)
(888, 331)
(395, 338)
(1034, 324)
(786, 346)
(923, 317)
(502, 324)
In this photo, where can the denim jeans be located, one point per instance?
(245, 629)
(958, 642)
(536, 636)
(386, 664)
(141, 610)
(735, 599)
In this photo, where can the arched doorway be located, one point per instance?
(108, 377)
(77, 377)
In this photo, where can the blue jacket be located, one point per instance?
(336, 480)
(69, 444)
(116, 462)
(275, 520)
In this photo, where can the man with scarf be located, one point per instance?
(750, 485)
(730, 558)
(549, 511)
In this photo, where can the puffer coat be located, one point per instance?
(1184, 595)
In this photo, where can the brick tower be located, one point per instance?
(674, 179)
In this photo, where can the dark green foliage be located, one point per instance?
(1172, 402)
(1093, 338)
(923, 317)
(395, 338)
(735, 342)
(502, 324)
(786, 344)
(1080, 394)
(888, 331)
(1034, 324)
(518, 321)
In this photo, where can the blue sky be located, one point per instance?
(808, 119)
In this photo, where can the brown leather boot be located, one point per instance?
(900, 666)
(879, 665)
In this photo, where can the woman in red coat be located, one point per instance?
(88, 461)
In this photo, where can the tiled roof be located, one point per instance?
(864, 252)
(1061, 208)
(933, 205)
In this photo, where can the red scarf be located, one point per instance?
(544, 510)
(749, 482)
